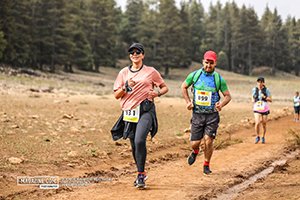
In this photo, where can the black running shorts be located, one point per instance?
(264, 113)
(297, 109)
(204, 124)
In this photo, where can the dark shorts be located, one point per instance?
(204, 124)
(297, 109)
(264, 113)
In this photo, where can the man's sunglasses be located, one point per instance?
(138, 52)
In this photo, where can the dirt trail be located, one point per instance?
(176, 180)
(282, 184)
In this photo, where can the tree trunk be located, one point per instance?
(249, 58)
(68, 68)
(166, 72)
(229, 57)
(297, 67)
(273, 58)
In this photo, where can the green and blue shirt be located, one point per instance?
(205, 94)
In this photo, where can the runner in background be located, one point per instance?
(260, 98)
(134, 87)
(296, 106)
(206, 104)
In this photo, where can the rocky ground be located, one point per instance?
(60, 126)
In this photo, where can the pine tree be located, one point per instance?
(186, 42)
(103, 32)
(276, 40)
(293, 30)
(81, 56)
(2, 44)
(147, 33)
(131, 22)
(7, 27)
(170, 31)
(196, 18)
(15, 17)
(297, 49)
(53, 35)
(230, 16)
(247, 39)
(213, 29)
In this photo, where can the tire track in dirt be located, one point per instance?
(171, 178)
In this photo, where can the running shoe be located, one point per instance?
(140, 181)
(257, 139)
(206, 170)
(136, 180)
(192, 158)
(263, 140)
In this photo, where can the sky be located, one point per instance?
(284, 7)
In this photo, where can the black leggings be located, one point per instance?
(138, 143)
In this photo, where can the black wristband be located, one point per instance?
(158, 93)
(127, 87)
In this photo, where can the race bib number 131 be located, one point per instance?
(132, 115)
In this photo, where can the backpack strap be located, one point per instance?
(263, 90)
(217, 79)
(196, 76)
(255, 96)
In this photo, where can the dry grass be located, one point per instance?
(223, 143)
(294, 137)
(33, 126)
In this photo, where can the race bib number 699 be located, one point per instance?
(203, 98)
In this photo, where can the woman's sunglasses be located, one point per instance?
(138, 52)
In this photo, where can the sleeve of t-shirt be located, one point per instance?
(224, 87)
(189, 79)
(119, 82)
(253, 91)
(157, 79)
(268, 92)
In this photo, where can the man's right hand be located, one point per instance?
(189, 106)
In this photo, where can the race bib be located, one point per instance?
(132, 115)
(261, 106)
(203, 98)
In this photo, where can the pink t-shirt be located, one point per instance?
(145, 79)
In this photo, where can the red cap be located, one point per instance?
(210, 55)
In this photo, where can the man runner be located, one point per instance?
(206, 104)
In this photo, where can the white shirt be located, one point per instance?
(296, 101)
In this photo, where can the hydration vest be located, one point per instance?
(217, 79)
(263, 90)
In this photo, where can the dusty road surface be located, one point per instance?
(176, 180)
(51, 136)
(65, 133)
(282, 184)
